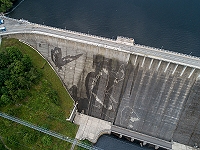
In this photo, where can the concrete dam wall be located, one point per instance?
(136, 92)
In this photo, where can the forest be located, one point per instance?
(17, 75)
(5, 5)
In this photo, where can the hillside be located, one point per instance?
(43, 102)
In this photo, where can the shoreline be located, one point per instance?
(13, 7)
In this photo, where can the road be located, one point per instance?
(21, 26)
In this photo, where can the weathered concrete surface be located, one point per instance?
(152, 100)
(178, 146)
(134, 89)
(91, 128)
(188, 128)
(117, 87)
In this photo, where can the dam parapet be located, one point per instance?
(28, 27)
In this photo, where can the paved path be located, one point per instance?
(20, 26)
(91, 128)
(46, 131)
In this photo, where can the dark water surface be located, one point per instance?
(111, 142)
(169, 24)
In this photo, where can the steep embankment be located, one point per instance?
(46, 104)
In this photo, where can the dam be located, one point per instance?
(136, 88)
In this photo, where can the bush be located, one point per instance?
(46, 140)
(30, 138)
(5, 5)
(5, 99)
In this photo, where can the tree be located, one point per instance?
(14, 53)
(5, 5)
(2, 78)
(26, 61)
(11, 84)
(5, 99)
(21, 94)
(33, 75)
(17, 68)
(4, 60)
(17, 75)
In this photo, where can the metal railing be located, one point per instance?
(151, 52)
(49, 132)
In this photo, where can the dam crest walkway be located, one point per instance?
(14, 26)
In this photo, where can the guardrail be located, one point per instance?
(167, 51)
(49, 132)
(66, 30)
(99, 37)
(194, 62)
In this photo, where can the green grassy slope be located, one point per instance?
(38, 108)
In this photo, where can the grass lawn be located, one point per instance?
(18, 137)
(38, 109)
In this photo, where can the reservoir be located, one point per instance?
(173, 25)
(111, 142)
